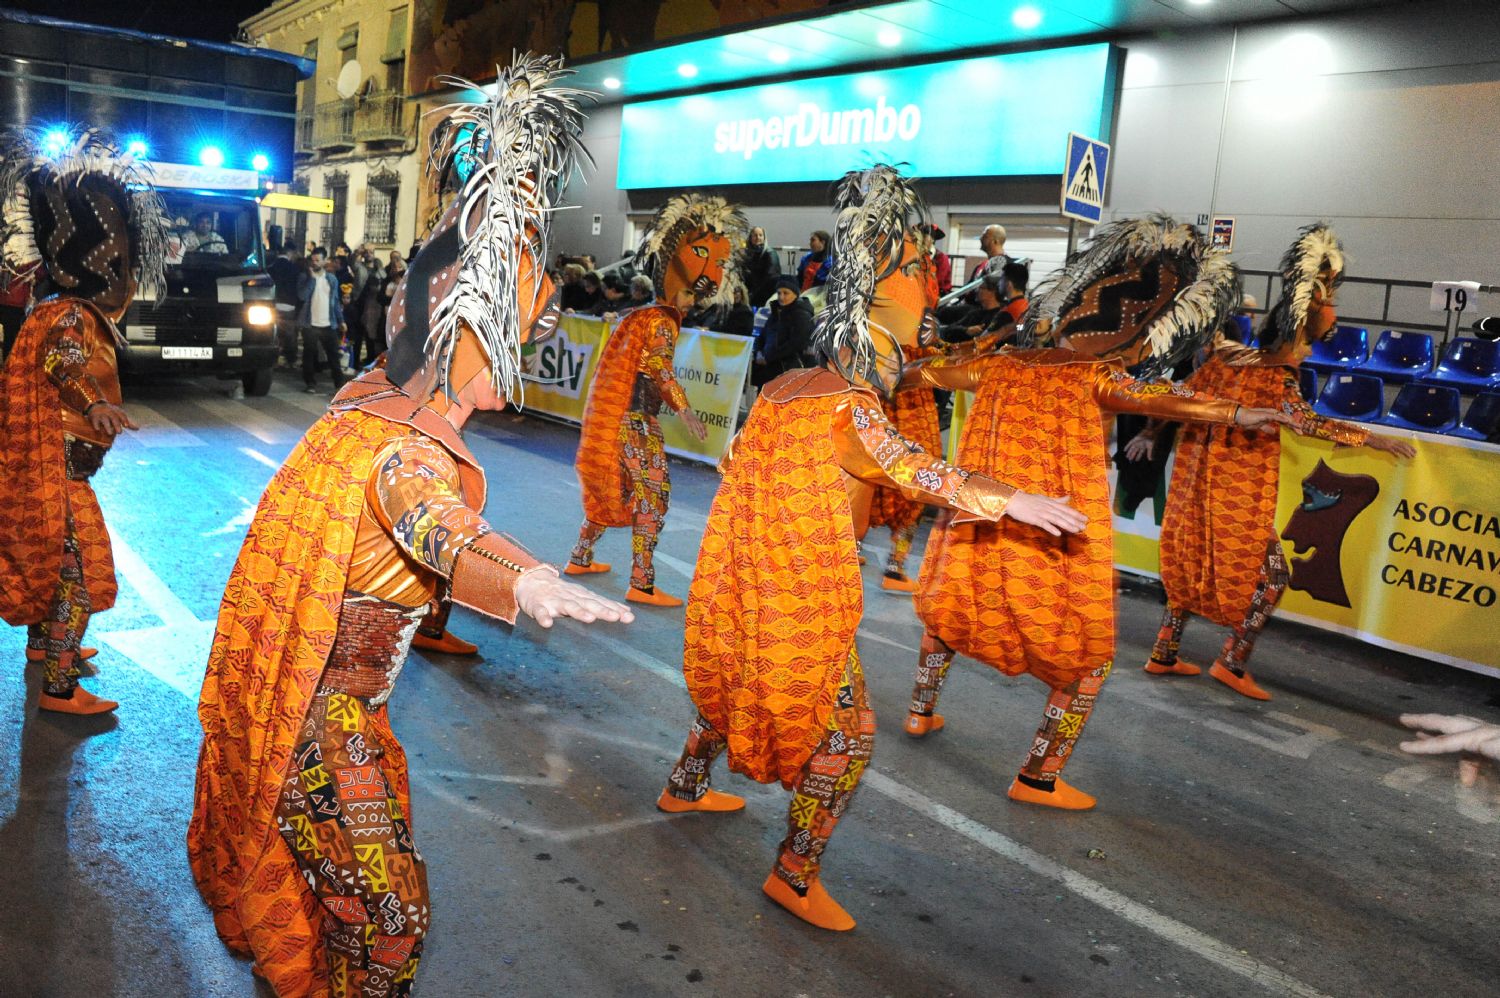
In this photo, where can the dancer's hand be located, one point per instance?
(106, 417)
(1391, 445)
(544, 597)
(694, 425)
(1055, 516)
(1441, 733)
(1140, 448)
(1247, 418)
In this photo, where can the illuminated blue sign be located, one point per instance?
(997, 116)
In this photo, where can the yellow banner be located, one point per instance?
(1403, 554)
(711, 367)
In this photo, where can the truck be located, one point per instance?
(216, 122)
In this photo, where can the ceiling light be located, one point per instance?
(1026, 18)
(211, 156)
(611, 83)
(889, 37)
(779, 55)
(1200, 3)
(687, 71)
(260, 162)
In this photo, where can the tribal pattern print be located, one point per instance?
(60, 636)
(1268, 590)
(933, 661)
(647, 491)
(1063, 719)
(691, 776)
(353, 845)
(824, 789)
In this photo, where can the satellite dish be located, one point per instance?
(349, 79)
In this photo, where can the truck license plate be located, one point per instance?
(187, 353)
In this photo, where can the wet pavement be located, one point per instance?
(1239, 848)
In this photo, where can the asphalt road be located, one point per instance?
(1239, 848)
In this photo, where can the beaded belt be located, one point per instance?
(370, 647)
(83, 458)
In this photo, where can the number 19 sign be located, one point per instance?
(1453, 296)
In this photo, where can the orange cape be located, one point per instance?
(1011, 595)
(601, 473)
(275, 630)
(1221, 504)
(35, 492)
(776, 597)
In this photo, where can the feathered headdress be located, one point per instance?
(65, 191)
(1144, 286)
(520, 147)
(875, 208)
(1315, 258)
(681, 215)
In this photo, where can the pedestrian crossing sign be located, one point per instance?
(1083, 178)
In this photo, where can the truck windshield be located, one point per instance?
(212, 233)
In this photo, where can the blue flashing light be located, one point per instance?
(55, 141)
(211, 156)
(260, 162)
(137, 147)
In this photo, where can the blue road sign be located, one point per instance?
(1083, 178)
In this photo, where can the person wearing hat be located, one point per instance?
(942, 266)
(787, 335)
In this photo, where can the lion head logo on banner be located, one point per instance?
(1331, 501)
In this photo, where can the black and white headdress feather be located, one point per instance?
(681, 215)
(34, 160)
(520, 147)
(1317, 251)
(1210, 289)
(876, 207)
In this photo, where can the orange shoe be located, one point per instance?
(898, 584)
(1062, 796)
(919, 726)
(36, 654)
(861, 559)
(1243, 685)
(81, 702)
(654, 598)
(1181, 667)
(447, 644)
(593, 568)
(817, 908)
(712, 802)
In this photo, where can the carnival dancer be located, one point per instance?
(914, 414)
(769, 653)
(86, 212)
(1220, 557)
(301, 838)
(622, 461)
(1146, 291)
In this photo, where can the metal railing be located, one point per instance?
(305, 120)
(1400, 304)
(335, 125)
(380, 213)
(381, 117)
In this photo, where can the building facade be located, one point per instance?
(356, 130)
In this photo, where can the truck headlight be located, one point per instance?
(260, 315)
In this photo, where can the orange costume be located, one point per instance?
(769, 653)
(301, 838)
(622, 460)
(1013, 596)
(914, 414)
(1220, 557)
(80, 217)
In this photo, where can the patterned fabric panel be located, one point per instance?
(1012, 595)
(914, 415)
(777, 596)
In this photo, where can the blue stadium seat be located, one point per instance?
(1469, 365)
(1482, 421)
(1345, 348)
(1432, 408)
(1307, 380)
(1352, 396)
(1399, 357)
(1240, 328)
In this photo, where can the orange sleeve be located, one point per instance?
(870, 449)
(659, 361)
(1117, 391)
(1310, 423)
(416, 498)
(66, 358)
(954, 372)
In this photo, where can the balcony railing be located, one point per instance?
(335, 125)
(381, 117)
